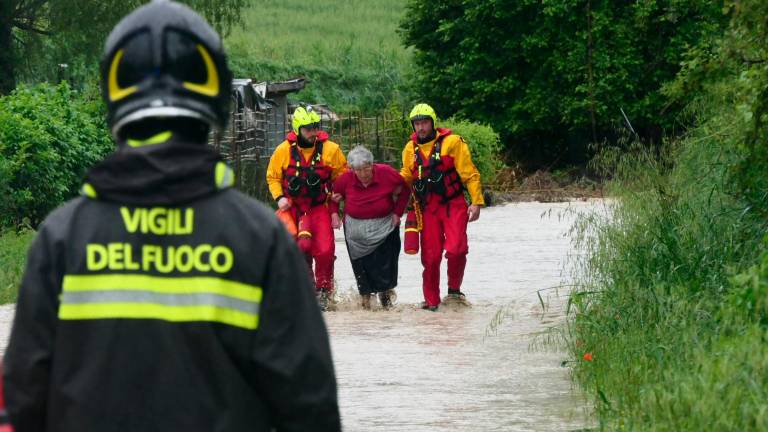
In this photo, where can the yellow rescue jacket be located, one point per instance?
(454, 147)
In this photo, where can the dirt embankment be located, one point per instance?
(542, 186)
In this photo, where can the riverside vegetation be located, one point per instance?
(669, 325)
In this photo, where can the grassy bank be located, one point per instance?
(673, 289)
(349, 50)
(13, 256)
(669, 324)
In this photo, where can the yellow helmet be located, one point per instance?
(305, 117)
(423, 111)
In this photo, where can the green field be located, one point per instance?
(349, 50)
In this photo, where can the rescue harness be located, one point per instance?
(308, 180)
(438, 175)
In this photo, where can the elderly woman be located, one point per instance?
(375, 197)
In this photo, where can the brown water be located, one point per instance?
(453, 370)
(412, 370)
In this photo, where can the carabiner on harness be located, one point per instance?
(294, 185)
(313, 179)
(435, 176)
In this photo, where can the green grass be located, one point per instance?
(679, 341)
(348, 49)
(13, 255)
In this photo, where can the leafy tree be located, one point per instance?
(76, 29)
(49, 136)
(734, 69)
(552, 75)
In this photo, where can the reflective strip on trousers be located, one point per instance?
(174, 299)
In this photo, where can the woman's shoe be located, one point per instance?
(387, 298)
(366, 301)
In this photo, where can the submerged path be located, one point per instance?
(414, 370)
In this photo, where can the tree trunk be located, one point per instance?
(7, 63)
(590, 60)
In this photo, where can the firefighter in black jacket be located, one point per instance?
(162, 299)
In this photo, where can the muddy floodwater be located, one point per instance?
(460, 369)
(463, 369)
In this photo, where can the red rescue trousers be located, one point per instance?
(444, 228)
(322, 248)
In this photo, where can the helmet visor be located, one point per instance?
(311, 126)
(420, 117)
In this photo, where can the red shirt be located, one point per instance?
(374, 200)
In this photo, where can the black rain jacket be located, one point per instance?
(124, 338)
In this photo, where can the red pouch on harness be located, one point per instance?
(411, 238)
(304, 234)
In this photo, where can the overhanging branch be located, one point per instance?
(19, 40)
(25, 7)
(26, 27)
(752, 61)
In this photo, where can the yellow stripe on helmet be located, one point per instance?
(115, 91)
(211, 86)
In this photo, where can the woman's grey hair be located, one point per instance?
(359, 157)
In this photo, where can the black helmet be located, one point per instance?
(164, 60)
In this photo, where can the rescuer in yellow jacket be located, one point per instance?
(300, 176)
(162, 299)
(437, 164)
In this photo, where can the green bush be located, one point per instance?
(483, 142)
(13, 254)
(49, 137)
